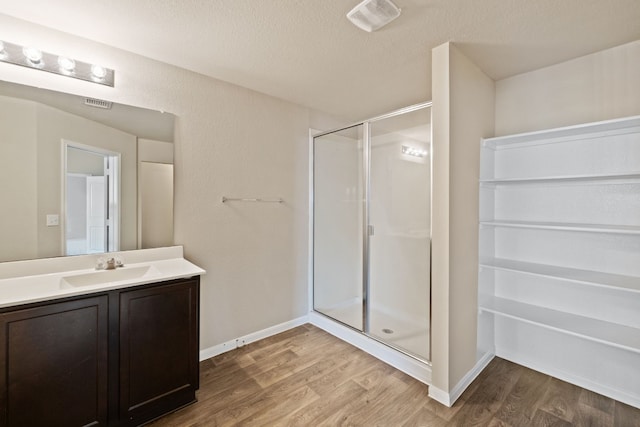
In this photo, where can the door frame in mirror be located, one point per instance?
(112, 203)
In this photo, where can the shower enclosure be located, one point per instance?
(372, 227)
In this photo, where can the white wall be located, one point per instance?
(400, 212)
(463, 106)
(229, 141)
(604, 85)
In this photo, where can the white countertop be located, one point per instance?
(25, 289)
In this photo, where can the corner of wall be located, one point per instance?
(440, 113)
(463, 113)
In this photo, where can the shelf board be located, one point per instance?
(562, 179)
(588, 277)
(612, 334)
(568, 133)
(564, 226)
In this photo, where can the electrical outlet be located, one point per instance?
(53, 220)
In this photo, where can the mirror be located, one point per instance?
(46, 210)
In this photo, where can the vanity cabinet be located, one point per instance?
(53, 364)
(117, 358)
(158, 340)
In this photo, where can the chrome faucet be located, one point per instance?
(109, 264)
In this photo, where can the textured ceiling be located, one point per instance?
(307, 52)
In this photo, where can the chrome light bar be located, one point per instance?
(31, 57)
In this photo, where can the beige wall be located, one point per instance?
(31, 144)
(155, 151)
(230, 141)
(84, 162)
(155, 193)
(604, 85)
(463, 106)
(155, 204)
(53, 126)
(18, 228)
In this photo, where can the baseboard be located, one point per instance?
(407, 364)
(440, 396)
(210, 352)
(616, 394)
(449, 398)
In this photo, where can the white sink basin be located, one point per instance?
(108, 276)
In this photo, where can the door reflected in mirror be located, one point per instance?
(56, 208)
(91, 200)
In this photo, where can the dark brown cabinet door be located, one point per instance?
(53, 364)
(158, 349)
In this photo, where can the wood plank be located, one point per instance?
(285, 405)
(304, 360)
(597, 401)
(425, 418)
(321, 409)
(545, 419)
(589, 416)
(343, 373)
(351, 413)
(306, 377)
(398, 408)
(522, 403)
(481, 406)
(626, 416)
(561, 399)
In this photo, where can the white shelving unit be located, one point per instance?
(559, 278)
(566, 226)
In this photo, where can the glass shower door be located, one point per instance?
(338, 221)
(399, 241)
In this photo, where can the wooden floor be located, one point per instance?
(306, 377)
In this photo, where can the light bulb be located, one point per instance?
(98, 71)
(66, 64)
(34, 55)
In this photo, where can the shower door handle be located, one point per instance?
(370, 230)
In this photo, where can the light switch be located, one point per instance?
(53, 220)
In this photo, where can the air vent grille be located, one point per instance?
(98, 103)
(371, 15)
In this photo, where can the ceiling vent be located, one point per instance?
(98, 103)
(371, 15)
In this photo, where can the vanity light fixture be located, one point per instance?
(67, 65)
(412, 151)
(98, 71)
(31, 57)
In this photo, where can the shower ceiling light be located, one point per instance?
(34, 58)
(412, 151)
(371, 15)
